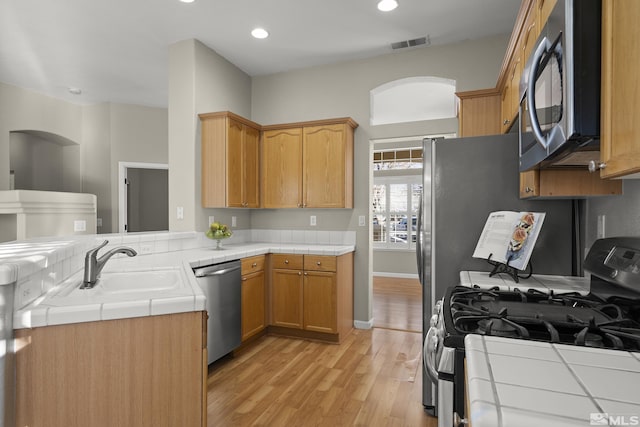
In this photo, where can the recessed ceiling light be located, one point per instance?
(387, 5)
(187, 1)
(75, 90)
(260, 33)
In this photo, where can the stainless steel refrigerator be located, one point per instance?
(464, 179)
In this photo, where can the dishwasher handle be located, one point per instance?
(214, 271)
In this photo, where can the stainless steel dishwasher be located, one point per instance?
(221, 285)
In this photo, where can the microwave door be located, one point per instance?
(544, 99)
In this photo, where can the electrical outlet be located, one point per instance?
(180, 212)
(312, 220)
(601, 227)
(361, 221)
(146, 248)
(212, 219)
(233, 221)
(80, 225)
(99, 222)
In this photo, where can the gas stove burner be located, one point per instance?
(593, 340)
(499, 328)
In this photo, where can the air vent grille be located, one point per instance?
(411, 43)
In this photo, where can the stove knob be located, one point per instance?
(458, 421)
(613, 274)
(434, 321)
(438, 307)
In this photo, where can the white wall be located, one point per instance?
(22, 109)
(105, 134)
(343, 90)
(200, 81)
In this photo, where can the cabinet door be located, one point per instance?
(234, 164)
(286, 298)
(529, 181)
(479, 113)
(324, 166)
(253, 312)
(620, 133)
(282, 168)
(251, 172)
(320, 301)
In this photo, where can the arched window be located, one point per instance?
(413, 99)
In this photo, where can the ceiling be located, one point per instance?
(117, 50)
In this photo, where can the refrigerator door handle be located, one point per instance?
(419, 241)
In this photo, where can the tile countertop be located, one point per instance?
(518, 383)
(50, 309)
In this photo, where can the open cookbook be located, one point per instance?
(509, 237)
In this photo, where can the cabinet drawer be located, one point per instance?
(288, 261)
(319, 263)
(252, 264)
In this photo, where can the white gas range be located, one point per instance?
(601, 313)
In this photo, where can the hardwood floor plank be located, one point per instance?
(373, 378)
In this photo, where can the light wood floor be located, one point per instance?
(372, 379)
(397, 303)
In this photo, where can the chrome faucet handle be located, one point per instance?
(94, 252)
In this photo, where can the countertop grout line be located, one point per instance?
(493, 383)
(577, 378)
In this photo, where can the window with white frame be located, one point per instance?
(395, 208)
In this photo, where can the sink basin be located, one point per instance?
(140, 281)
(123, 286)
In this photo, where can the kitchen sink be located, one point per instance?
(123, 286)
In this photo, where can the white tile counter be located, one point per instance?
(44, 269)
(521, 383)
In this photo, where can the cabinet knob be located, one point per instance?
(255, 264)
(286, 261)
(528, 190)
(244, 279)
(593, 166)
(506, 122)
(304, 205)
(300, 273)
(318, 263)
(305, 274)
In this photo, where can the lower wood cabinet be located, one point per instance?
(312, 295)
(145, 371)
(253, 296)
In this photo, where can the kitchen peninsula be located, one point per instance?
(135, 354)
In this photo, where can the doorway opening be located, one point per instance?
(143, 197)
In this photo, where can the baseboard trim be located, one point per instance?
(359, 324)
(398, 275)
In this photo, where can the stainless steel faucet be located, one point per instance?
(93, 265)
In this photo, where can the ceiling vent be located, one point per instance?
(422, 41)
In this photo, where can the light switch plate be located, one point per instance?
(312, 220)
(233, 221)
(80, 225)
(180, 212)
(361, 221)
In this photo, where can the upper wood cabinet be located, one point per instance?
(565, 183)
(230, 166)
(479, 112)
(308, 165)
(620, 112)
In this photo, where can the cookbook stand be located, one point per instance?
(499, 267)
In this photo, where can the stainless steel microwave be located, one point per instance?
(560, 89)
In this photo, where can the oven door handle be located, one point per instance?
(545, 47)
(429, 354)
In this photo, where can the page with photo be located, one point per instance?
(509, 237)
